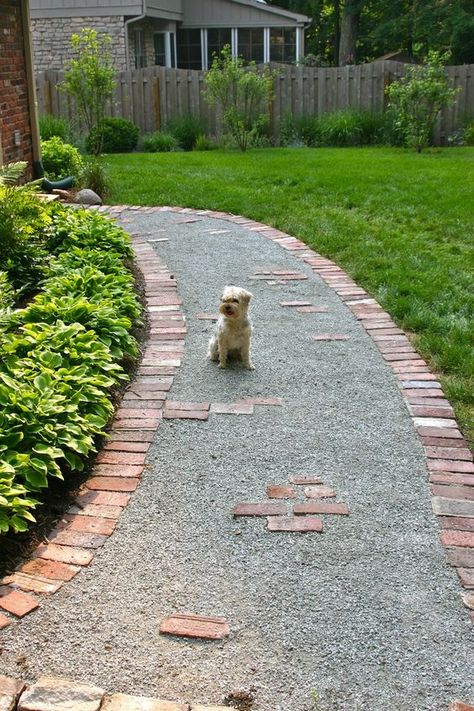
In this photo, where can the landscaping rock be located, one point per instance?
(53, 694)
(87, 197)
(123, 702)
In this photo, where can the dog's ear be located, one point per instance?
(246, 296)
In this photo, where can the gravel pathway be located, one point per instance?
(365, 616)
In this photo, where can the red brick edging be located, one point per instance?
(120, 464)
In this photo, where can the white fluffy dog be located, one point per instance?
(233, 328)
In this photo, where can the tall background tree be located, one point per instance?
(349, 31)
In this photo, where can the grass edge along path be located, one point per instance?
(401, 224)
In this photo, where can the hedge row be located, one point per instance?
(59, 358)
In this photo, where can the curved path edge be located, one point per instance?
(119, 466)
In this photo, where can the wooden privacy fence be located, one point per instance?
(150, 97)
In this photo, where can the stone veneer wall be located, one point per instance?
(52, 39)
(14, 104)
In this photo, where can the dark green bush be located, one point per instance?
(340, 128)
(186, 130)
(159, 143)
(60, 159)
(118, 136)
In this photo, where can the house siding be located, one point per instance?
(14, 103)
(220, 13)
(52, 39)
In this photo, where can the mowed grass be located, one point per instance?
(401, 224)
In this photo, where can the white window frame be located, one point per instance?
(235, 41)
(204, 64)
(266, 45)
(167, 35)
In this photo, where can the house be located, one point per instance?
(170, 33)
(19, 134)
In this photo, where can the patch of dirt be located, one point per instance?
(241, 700)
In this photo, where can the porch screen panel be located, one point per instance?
(188, 44)
(251, 45)
(283, 45)
(216, 41)
(160, 48)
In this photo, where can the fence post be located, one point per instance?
(156, 104)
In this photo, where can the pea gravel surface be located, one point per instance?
(365, 616)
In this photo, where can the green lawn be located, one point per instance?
(400, 223)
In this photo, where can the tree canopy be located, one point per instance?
(349, 31)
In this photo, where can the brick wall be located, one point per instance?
(14, 110)
(52, 39)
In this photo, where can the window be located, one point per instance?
(283, 45)
(139, 49)
(216, 41)
(189, 49)
(159, 41)
(251, 45)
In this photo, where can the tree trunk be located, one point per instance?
(337, 30)
(349, 29)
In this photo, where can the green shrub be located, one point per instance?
(7, 293)
(114, 135)
(51, 126)
(468, 134)
(203, 143)
(186, 130)
(94, 176)
(83, 228)
(340, 128)
(159, 143)
(60, 159)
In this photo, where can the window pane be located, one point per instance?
(189, 49)
(216, 41)
(160, 51)
(283, 45)
(251, 44)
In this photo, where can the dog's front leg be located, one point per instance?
(222, 353)
(246, 360)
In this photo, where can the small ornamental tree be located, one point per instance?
(241, 93)
(90, 80)
(418, 98)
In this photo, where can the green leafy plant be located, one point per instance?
(12, 172)
(51, 126)
(186, 130)
(118, 135)
(90, 79)
(60, 159)
(204, 143)
(159, 143)
(418, 98)
(7, 293)
(241, 93)
(468, 134)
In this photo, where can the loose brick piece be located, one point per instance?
(17, 603)
(196, 626)
(4, 622)
(32, 583)
(295, 303)
(460, 706)
(316, 492)
(330, 337)
(124, 702)
(452, 507)
(63, 554)
(464, 539)
(276, 491)
(305, 480)
(103, 498)
(186, 414)
(459, 493)
(307, 524)
(263, 401)
(192, 406)
(312, 309)
(50, 569)
(90, 524)
(118, 470)
(222, 408)
(106, 457)
(207, 317)
(457, 523)
(262, 509)
(466, 576)
(77, 539)
(320, 507)
(112, 483)
(97, 510)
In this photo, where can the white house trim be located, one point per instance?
(266, 45)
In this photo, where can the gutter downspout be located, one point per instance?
(37, 165)
(127, 23)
